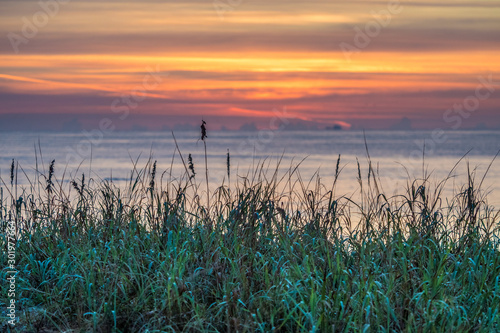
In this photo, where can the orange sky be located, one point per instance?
(233, 62)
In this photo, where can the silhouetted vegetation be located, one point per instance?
(272, 253)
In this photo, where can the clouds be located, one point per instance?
(262, 55)
(324, 40)
(154, 27)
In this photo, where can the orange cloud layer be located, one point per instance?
(254, 57)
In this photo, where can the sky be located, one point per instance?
(305, 64)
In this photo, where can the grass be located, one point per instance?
(272, 253)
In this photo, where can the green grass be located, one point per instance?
(271, 254)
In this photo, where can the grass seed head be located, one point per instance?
(191, 166)
(203, 130)
(12, 173)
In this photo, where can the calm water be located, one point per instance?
(113, 155)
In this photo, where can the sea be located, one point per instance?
(396, 158)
